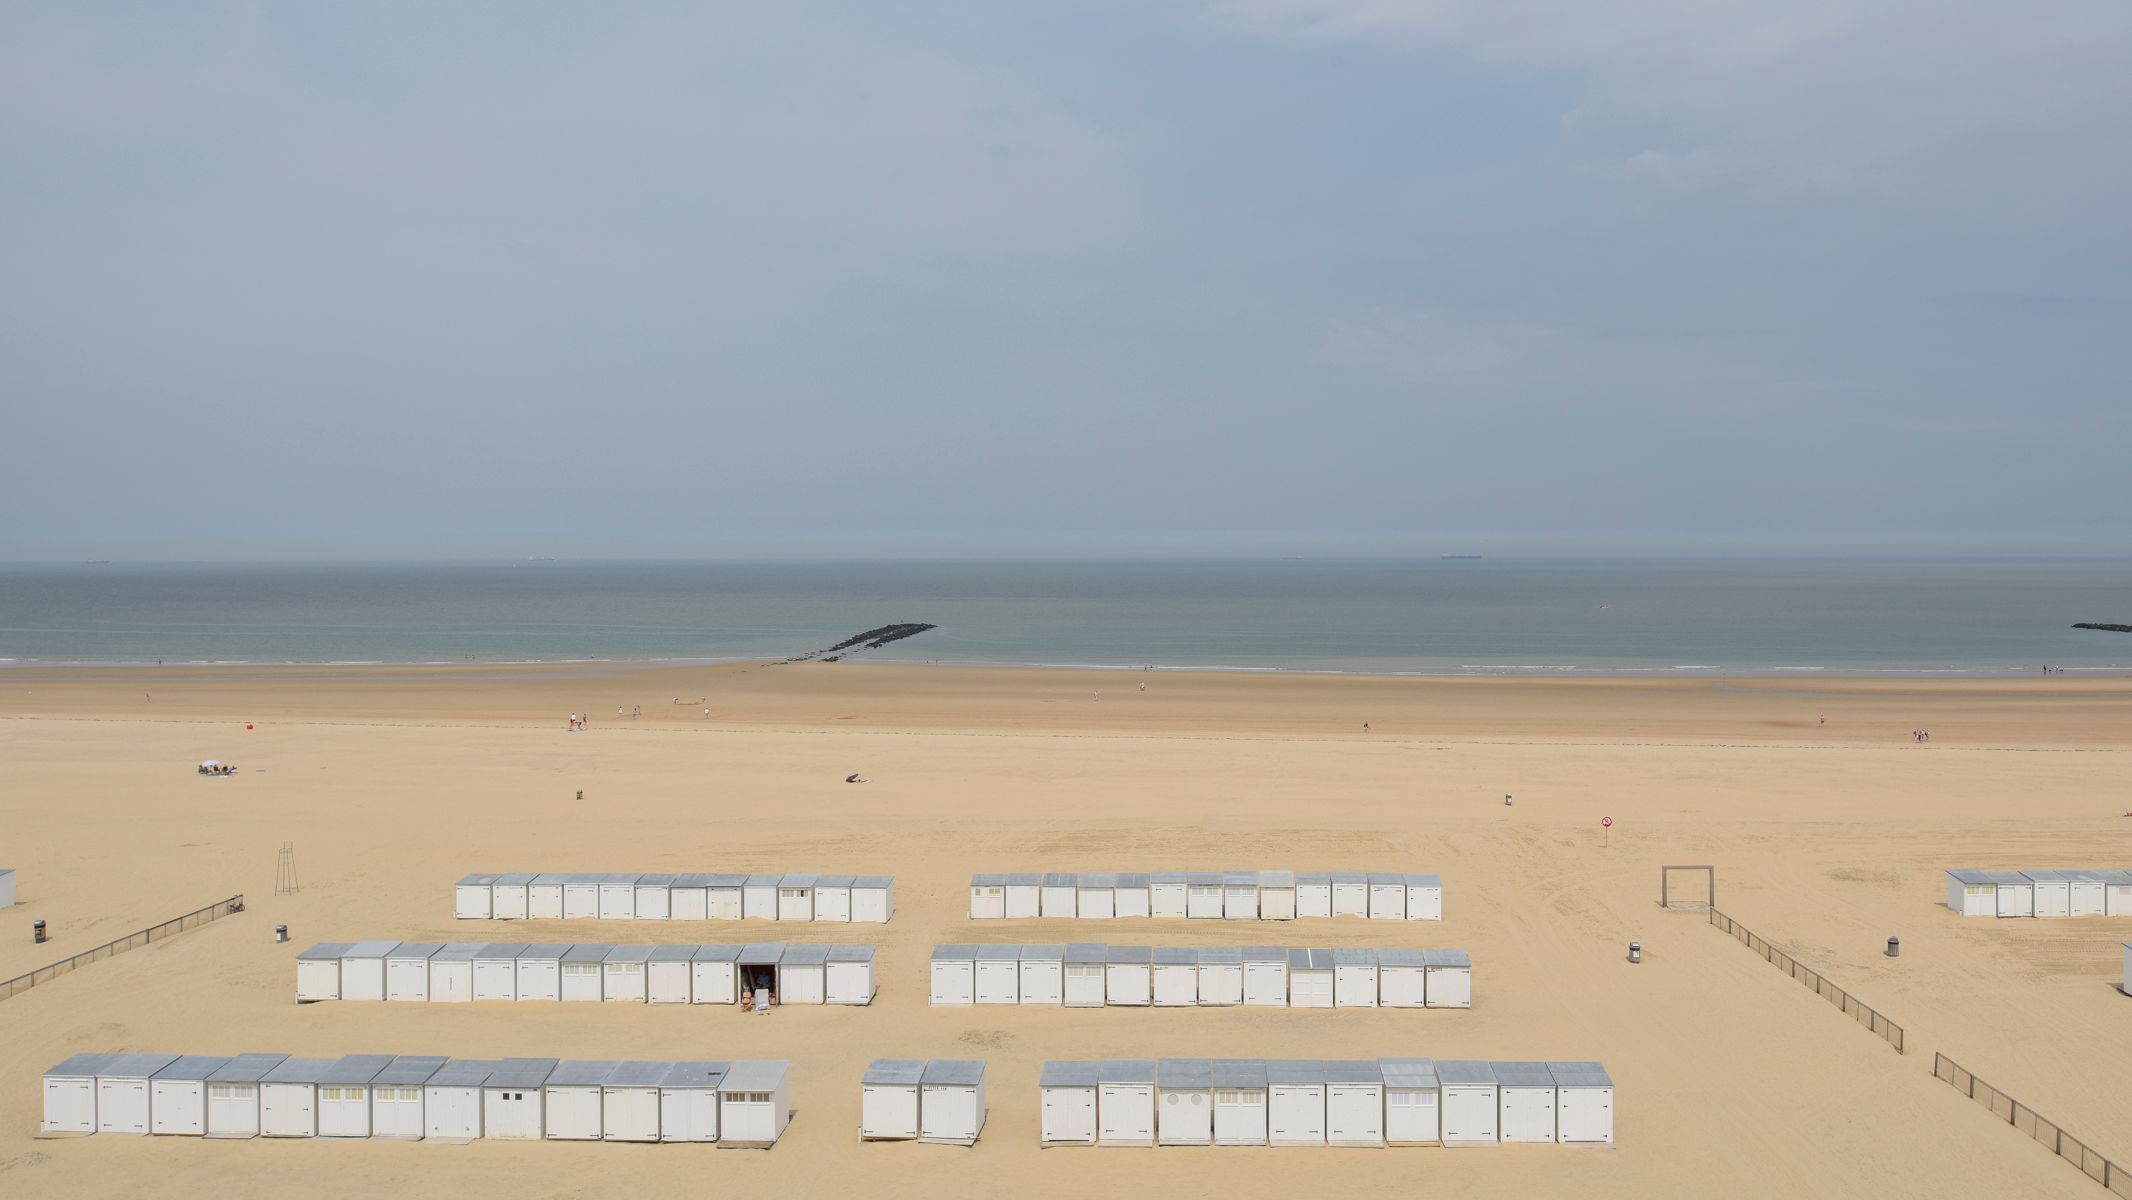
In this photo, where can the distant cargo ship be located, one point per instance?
(1458, 556)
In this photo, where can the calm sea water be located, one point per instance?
(1488, 616)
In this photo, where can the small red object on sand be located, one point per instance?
(247, 724)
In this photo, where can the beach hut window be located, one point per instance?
(1207, 891)
(792, 893)
(229, 1091)
(581, 970)
(1084, 970)
(1239, 1097)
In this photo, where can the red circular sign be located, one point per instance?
(1607, 821)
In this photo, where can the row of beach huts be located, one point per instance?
(2073, 893)
(456, 972)
(569, 896)
(1093, 975)
(419, 1098)
(1208, 895)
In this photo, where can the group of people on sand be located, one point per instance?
(218, 768)
(577, 722)
(1920, 735)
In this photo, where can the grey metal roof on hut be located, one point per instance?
(762, 954)
(515, 879)
(839, 954)
(194, 1066)
(873, 881)
(1168, 877)
(1964, 875)
(2002, 878)
(954, 951)
(1203, 878)
(1350, 877)
(628, 954)
(1277, 954)
(409, 1070)
(300, 1070)
(694, 880)
(458, 952)
(804, 956)
(1061, 879)
(1134, 881)
(989, 880)
(1247, 879)
(1446, 958)
(1220, 955)
(1070, 1073)
(522, 1072)
(891, 1072)
(1126, 1070)
(618, 878)
(248, 1068)
(833, 881)
(1003, 953)
(1176, 956)
(726, 881)
(1295, 1070)
(1099, 879)
(424, 950)
(1522, 1074)
(1184, 1074)
(463, 1072)
(545, 950)
(1043, 952)
(639, 1073)
(1306, 958)
(1353, 1070)
(755, 1075)
(954, 1072)
(1579, 1074)
(763, 881)
(1276, 879)
(588, 952)
(551, 878)
(137, 1065)
(1453, 1071)
(1129, 956)
(2047, 876)
(1402, 958)
(1354, 956)
(582, 1072)
(1086, 952)
(585, 878)
(373, 949)
(478, 880)
(1320, 878)
(656, 880)
(694, 1073)
(496, 950)
(1239, 1072)
(672, 953)
(1024, 879)
(1387, 879)
(355, 1068)
(799, 879)
(1408, 1072)
(1426, 880)
(718, 953)
(326, 950)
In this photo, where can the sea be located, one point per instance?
(1427, 616)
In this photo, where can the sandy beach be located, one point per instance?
(1828, 824)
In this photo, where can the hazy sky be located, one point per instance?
(1348, 275)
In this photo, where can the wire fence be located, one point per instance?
(154, 933)
(2029, 1121)
(1858, 1010)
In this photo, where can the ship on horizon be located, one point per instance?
(1447, 556)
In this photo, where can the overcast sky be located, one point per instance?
(1333, 276)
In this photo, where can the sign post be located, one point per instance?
(1606, 838)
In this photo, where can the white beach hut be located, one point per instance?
(832, 899)
(318, 972)
(540, 971)
(655, 897)
(1083, 964)
(1354, 977)
(513, 1101)
(1584, 1103)
(688, 1101)
(1184, 1102)
(1239, 895)
(1310, 978)
(689, 899)
(754, 1102)
(544, 896)
(2117, 893)
(622, 973)
(363, 970)
(1133, 897)
(873, 899)
(1402, 979)
(177, 1096)
(1425, 898)
(714, 975)
(629, 1101)
(509, 898)
(1469, 1102)
(1058, 894)
(1450, 978)
(1128, 975)
(451, 1100)
(888, 1099)
(2053, 892)
(475, 898)
(850, 978)
(2015, 893)
(583, 965)
(1068, 1090)
(1412, 1112)
(451, 972)
(1295, 1102)
(1041, 974)
(795, 896)
(803, 975)
(1350, 894)
(952, 1107)
(344, 1095)
(7, 887)
(396, 1097)
(618, 896)
(1972, 894)
(758, 964)
(2085, 891)
(572, 1095)
(1167, 891)
(1266, 976)
(1354, 1103)
(726, 897)
(496, 970)
(1221, 976)
(758, 897)
(1313, 894)
(1526, 1096)
(288, 1097)
(407, 970)
(1240, 1102)
(668, 975)
(1096, 897)
(1175, 977)
(1276, 895)
(1202, 895)
(998, 976)
(988, 896)
(954, 976)
(1025, 894)
(122, 1092)
(233, 1095)
(1125, 1102)
(581, 896)
(1388, 896)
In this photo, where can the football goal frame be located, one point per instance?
(1667, 897)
